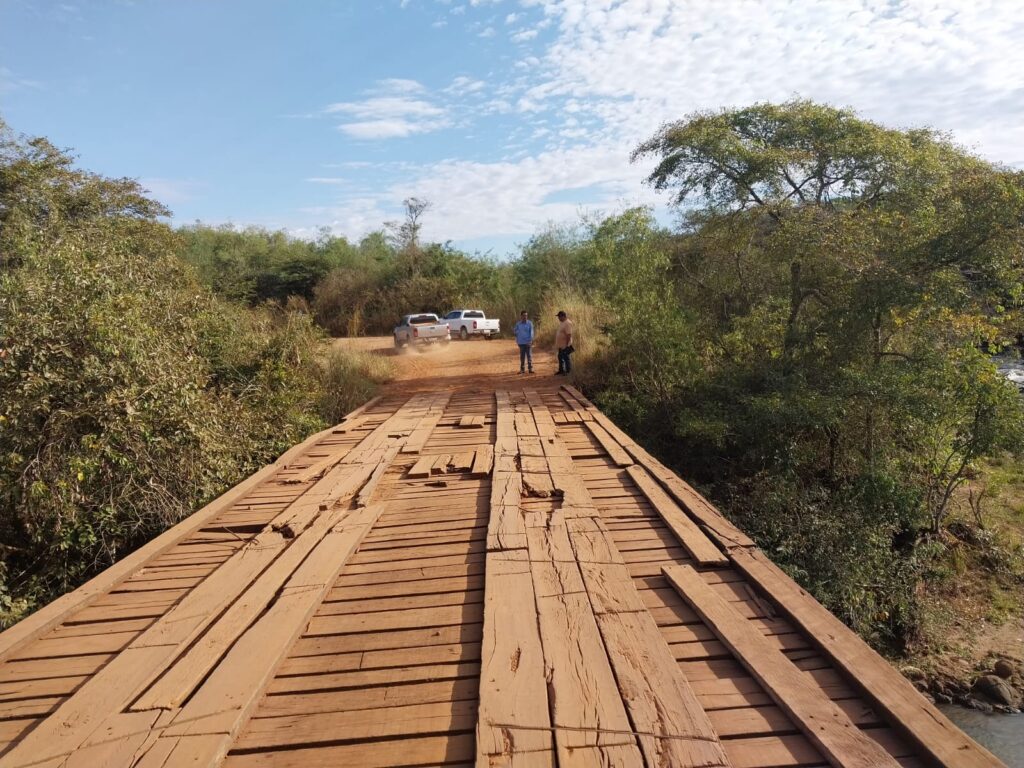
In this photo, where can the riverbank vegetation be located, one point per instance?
(130, 394)
(810, 344)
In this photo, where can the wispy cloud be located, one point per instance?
(11, 81)
(400, 109)
(463, 85)
(953, 64)
(172, 191)
(578, 99)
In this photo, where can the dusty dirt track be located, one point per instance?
(459, 365)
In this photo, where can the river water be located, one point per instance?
(1002, 735)
(1011, 369)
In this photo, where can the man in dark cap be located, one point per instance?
(563, 342)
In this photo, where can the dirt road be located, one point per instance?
(474, 364)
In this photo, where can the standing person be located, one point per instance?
(523, 331)
(563, 341)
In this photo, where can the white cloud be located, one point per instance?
(10, 81)
(478, 199)
(462, 85)
(394, 128)
(523, 35)
(489, 32)
(512, 18)
(952, 64)
(402, 109)
(386, 107)
(399, 85)
(617, 70)
(171, 191)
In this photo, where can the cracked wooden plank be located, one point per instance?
(52, 614)
(513, 726)
(894, 696)
(700, 547)
(222, 704)
(483, 461)
(822, 721)
(96, 706)
(713, 521)
(671, 725)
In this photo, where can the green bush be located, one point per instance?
(349, 379)
(129, 395)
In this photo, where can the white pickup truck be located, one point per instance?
(421, 328)
(471, 322)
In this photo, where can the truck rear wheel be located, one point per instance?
(463, 333)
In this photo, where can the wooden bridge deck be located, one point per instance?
(457, 578)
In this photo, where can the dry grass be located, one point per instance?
(349, 378)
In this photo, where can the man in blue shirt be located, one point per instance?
(523, 331)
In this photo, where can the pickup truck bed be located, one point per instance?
(471, 322)
(422, 328)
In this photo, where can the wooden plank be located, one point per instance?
(463, 462)
(364, 678)
(713, 521)
(824, 723)
(419, 436)
(209, 721)
(541, 415)
(54, 613)
(366, 493)
(777, 751)
(459, 689)
(514, 723)
(513, 715)
(525, 425)
(471, 422)
(189, 670)
(424, 751)
(422, 466)
(672, 727)
(686, 531)
(483, 461)
(539, 485)
(586, 706)
(352, 725)
(617, 453)
(128, 674)
(893, 695)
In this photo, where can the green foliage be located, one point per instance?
(254, 265)
(349, 379)
(822, 371)
(129, 395)
(812, 347)
(351, 290)
(650, 336)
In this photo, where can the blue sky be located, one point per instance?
(505, 114)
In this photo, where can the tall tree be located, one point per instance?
(845, 278)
